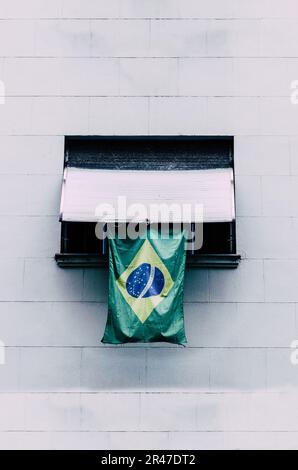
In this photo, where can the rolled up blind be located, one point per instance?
(86, 191)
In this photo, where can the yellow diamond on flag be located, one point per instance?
(145, 282)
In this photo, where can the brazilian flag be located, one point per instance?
(146, 289)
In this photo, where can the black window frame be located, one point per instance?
(77, 154)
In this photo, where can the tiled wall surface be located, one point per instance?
(145, 67)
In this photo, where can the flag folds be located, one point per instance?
(146, 279)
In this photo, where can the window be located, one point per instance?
(184, 168)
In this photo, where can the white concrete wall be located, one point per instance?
(149, 67)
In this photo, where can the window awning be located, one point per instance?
(85, 189)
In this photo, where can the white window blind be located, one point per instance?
(84, 189)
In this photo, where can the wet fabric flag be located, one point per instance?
(146, 281)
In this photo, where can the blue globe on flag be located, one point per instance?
(145, 281)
